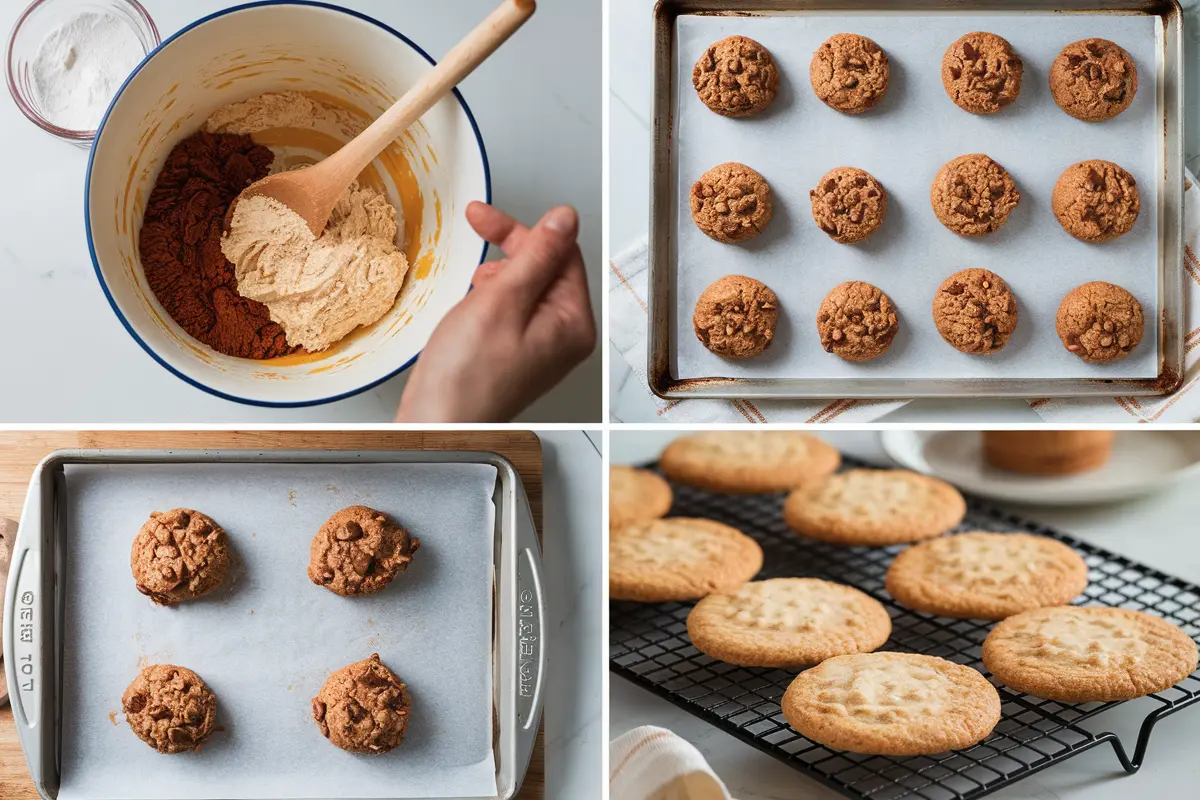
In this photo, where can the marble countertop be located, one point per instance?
(69, 356)
(1157, 531)
(629, 211)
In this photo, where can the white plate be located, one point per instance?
(1142, 462)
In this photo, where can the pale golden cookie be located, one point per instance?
(680, 558)
(875, 507)
(749, 462)
(635, 495)
(787, 623)
(981, 575)
(1077, 654)
(897, 704)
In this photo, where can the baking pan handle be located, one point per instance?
(531, 644)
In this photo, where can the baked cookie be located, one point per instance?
(179, 555)
(981, 73)
(1099, 322)
(787, 623)
(1093, 80)
(736, 77)
(749, 462)
(874, 508)
(857, 321)
(1096, 201)
(972, 195)
(975, 311)
(894, 704)
(1047, 452)
(848, 204)
(981, 575)
(1077, 654)
(169, 708)
(849, 73)
(635, 495)
(731, 203)
(679, 558)
(363, 707)
(359, 551)
(735, 317)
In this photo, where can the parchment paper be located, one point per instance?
(903, 142)
(266, 642)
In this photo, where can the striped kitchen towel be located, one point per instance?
(650, 763)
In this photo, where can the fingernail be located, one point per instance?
(562, 220)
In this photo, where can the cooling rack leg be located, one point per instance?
(1127, 765)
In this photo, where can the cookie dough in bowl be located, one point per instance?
(265, 88)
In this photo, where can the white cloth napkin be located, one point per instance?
(651, 763)
(628, 332)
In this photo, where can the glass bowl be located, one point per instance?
(42, 17)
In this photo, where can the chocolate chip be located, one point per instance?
(135, 704)
(350, 532)
(318, 710)
(179, 736)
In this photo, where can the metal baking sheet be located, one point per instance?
(903, 142)
(462, 627)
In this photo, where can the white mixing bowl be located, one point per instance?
(433, 171)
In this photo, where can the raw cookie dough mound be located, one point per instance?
(875, 508)
(363, 707)
(1096, 201)
(749, 462)
(787, 623)
(1077, 654)
(975, 311)
(169, 708)
(849, 73)
(857, 321)
(635, 495)
(736, 317)
(731, 203)
(679, 558)
(179, 555)
(981, 73)
(896, 704)
(973, 195)
(1093, 80)
(736, 77)
(848, 204)
(359, 551)
(1100, 322)
(981, 575)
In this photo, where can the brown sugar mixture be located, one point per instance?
(180, 245)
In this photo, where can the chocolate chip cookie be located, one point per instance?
(849, 73)
(169, 708)
(981, 73)
(731, 203)
(972, 195)
(1093, 80)
(735, 317)
(179, 555)
(848, 204)
(975, 311)
(359, 551)
(1096, 201)
(857, 321)
(363, 707)
(1100, 322)
(736, 77)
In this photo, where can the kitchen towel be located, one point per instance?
(651, 763)
(628, 322)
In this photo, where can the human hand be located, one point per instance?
(526, 324)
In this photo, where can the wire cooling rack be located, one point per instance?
(648, 644)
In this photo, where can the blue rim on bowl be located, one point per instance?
(87, 218)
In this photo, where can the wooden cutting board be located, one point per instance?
(20, 453)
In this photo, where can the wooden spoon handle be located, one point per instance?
(457, 65)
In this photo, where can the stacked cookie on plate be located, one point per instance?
(972, 195)
(850, 696)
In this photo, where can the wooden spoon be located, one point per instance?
(313, 192)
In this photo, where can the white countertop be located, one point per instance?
(1158, 531)
(69, 358)
(629, 211)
